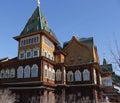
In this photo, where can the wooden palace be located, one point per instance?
(45, 72)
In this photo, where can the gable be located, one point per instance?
(77, 53)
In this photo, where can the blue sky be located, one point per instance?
(84, 18)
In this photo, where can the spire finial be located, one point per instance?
(38, 2)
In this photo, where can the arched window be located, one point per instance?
(50, 73)
(34, 70)
(70, 76)
(2, 73)
(20, 72)
(58, 75)
(6, 75)
(27, 71)
(86, 75)
(77, 75)
(45, 71)
(12, 73)
(53, 74)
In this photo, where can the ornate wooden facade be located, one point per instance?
(45, 72)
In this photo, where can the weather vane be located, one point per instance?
(38, 2)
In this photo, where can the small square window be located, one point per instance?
(28, 54)
(22, 55)
(36, 53)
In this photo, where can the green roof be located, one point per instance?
(87, 41)
(106, 68)
(37, 22)
(116, 78)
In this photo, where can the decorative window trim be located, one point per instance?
(107, 81)
(49, 73)
(53, 74)
(2, 72)
(27, 71)
(20, 70)
(22, 53)
(70, 77)
(30, 55)
(34, 70)
(78, 75)
(30, 40)
(36, 50)
(48, 42)
(58, 75)
(45, 71)
(45, 52)
(86, 75)
(12, 73)
(6, 75)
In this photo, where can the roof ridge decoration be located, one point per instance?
(37, 22)
(38, 2)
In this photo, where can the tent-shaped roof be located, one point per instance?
(37, 22)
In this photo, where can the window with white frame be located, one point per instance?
(20, 72)
(29, 53)
(70, 77)
(86, 75)
(49, 73)
(48, 42)
(30, 40)
(45, 53)
(34, 70)
(107, 81)
(6, 75)
(27, 71)
(53, 74)
(22, 54)
(45, 71)
(36, 52)
(58, 75)
(2, 73)
(77, 75)
(12, 73)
